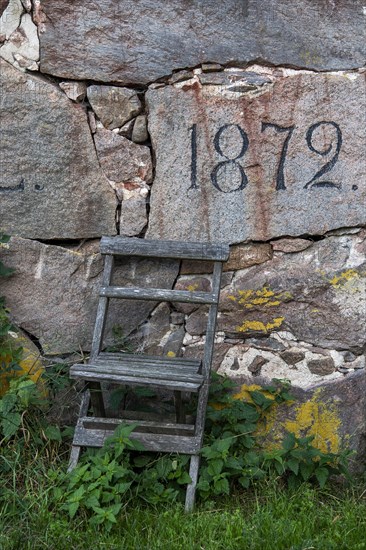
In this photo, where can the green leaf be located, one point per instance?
(260, 399)
(289, 442)
(221, 486)
(53, 433)
(215, 467)
(203, 486)
(306, 470)
(73, 508)
(184, 479)
(321, 475)
(293, 465)
(10, 424)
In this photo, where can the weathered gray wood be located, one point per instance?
(178, 362)
(175, 374)
(157, 368)
(112, 423)
(191, 384)
(75, 449)
(164, 249)
(102, 309)
(158, 294)
(85, 437)
(191, 488)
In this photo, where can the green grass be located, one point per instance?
(265, 518)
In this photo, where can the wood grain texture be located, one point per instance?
(164, 249)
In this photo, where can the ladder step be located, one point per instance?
(159, 294)
(95, 423)
(178, 362)
(159, 442)
(156, 376)
(164, 249)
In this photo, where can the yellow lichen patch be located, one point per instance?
(193, 287)
(263, 297)
(338, 280)
(259, 326)
(30, 363)
(318, 419)
(171, 354)
(268, 417)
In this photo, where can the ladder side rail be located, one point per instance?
(208, 352)
(102, 309)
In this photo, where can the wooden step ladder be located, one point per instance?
(170, 373)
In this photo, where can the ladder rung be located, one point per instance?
(97, 373)
(164, 249)
(95, 423)
(86, 437)
(126, 358)
(158, 294)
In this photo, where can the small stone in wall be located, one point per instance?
(256, 365)
(211, 67)
(290, 245)
(268, 344)
(173, 345)
(176, 318)
(292, 356)
(113, 105)
(10, 18)
(139, 132)
(22, 48)
(122, 160)
(180, 76)
(74, 90)
(322, 366)
(126, 129)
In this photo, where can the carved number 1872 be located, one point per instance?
(280, 173)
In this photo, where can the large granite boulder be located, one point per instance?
(53, 292)
(318, 294)
(141, 41)
(253, 155)
(51, 184)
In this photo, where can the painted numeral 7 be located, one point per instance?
(280, 176)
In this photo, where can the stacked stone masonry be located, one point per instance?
(222, 121)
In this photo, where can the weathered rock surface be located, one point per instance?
(290, 245)
(122, 160)
(318, 294)
(51, 185)
(22, 48)
(139, 132)
(114, 106)
(241, 256)
(10, 12)
(74, 90)
(266, 153)
(54, 291)
(333, 412)
(141, 41)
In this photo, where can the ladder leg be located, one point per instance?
(75, 449)
(191, 488)
(74, 457)
(179, 408)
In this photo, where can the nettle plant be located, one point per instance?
(232, 459)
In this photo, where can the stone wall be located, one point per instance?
(225, 121)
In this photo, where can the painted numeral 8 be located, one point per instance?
(230, 160)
